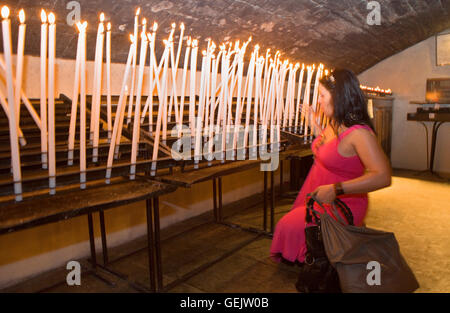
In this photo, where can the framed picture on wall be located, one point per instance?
(443, 49)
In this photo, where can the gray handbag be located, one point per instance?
(367, 260)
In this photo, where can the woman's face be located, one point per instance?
(326, 101)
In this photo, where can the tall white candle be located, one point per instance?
(133, 75)
(306, 102)
(198, 127)
(258, 100)
(43, 94)
(98, 86)
(161, 109)
(299, 95)
(120, 111)
(19, 66)
(225, 76)
(94, 82)
(27, 103)
(76, 88)
(314, 103)
(288, 94)
(13, 137)
(193, 73)
(180, 44)
(237, 121)
(108, 80)
(83, 106)
(51, 104)
(211, 106)
(4, 104)
(151, 86)
(251, 77)
(136, 124)
(165, 82)
(173, 93)
(183, 85)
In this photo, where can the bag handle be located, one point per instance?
(337, 202)
(344, 209)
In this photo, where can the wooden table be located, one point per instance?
(188, 177)
(40, 210)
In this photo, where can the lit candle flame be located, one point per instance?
(174, 25)
(182, 26)
(51, 18)
(5, 12)
(189, 42)
(144, 21)
(155, 26)
(108, 26)
(138, 11)
(204, 53)
(102, 17)
(131, 38)
(43, 16)
(22, 16)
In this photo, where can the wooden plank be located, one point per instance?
(188, 178)
(38, 211)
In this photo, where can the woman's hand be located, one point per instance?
(325, 193)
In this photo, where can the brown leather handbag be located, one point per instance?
(366, 260)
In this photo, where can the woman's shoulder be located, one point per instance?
(361, 134)
(360, 129)
(357, 131)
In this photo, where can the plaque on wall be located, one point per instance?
(443, 49)
(438, 90)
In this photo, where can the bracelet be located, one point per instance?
(338, 190)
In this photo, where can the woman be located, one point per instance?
(348, 163)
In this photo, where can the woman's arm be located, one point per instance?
(378, 171)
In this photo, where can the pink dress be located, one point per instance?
(329, 167)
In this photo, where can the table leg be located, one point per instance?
(157, 243)
(103, 233)
(215, 199)
(92, 240)
(272, 201)
(151, 245)
(281, 178)
(220, 200)
(436, 126)
(265, 202)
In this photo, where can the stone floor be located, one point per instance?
(230, 259)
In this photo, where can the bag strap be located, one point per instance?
(344, 209)
(337, 202)
(311, 211)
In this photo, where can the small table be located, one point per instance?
(438, 118)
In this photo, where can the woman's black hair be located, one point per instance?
(349, 101)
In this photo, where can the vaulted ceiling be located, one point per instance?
(334, 32)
